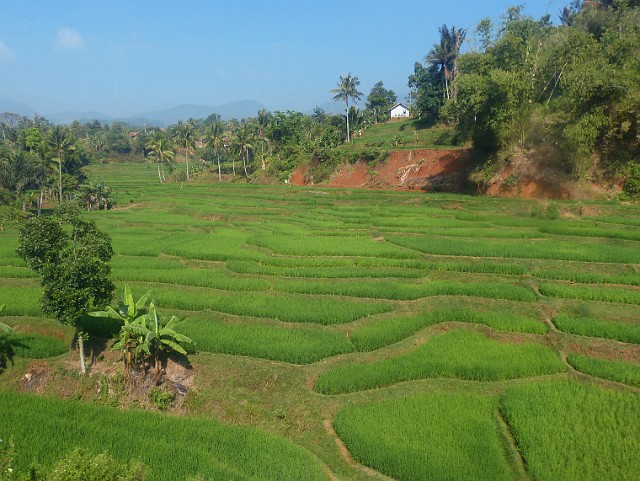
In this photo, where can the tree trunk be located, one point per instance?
(346, 102)
(83, 363)
(244, 163)
(159, 175)
(40, 200)
(233, 165)
(186, 155)
(219, 170)
(60, 175)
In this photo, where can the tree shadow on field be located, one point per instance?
(101, 330)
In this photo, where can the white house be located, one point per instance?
(399, 111)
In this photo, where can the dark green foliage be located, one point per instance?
(566, 94)
(380, 100)
(73, 263)
(428, 84)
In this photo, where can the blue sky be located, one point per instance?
(124, 57)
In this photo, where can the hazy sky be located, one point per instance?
(124, 57)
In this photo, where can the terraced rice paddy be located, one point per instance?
(441, 336)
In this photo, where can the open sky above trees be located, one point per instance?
(123, 57)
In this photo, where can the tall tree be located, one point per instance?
(244, 139)
(214, 140)
(186, 140)
(161, 152)
(380, 100)
(72, 256)
(18, 172)
(262, 121)
(444, 55)
(347, 89)
(60, 140)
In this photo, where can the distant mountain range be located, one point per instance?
(162, 118)
(159, 118)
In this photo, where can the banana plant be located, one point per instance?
(129, 313)
(159, 339)
(5, 344)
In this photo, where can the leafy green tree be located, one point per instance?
(72, 257)
(380, 100)
(347, 89)
(18, 172)
(428, 85)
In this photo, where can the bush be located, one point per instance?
(632, 180)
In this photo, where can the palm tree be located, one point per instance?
(214, 140)
(262, 121)
(444, 55)
(186, 140)
(60, 140)
(160, 152)
(17, 174)
(244, 142)
(45, 172)
(347, 89)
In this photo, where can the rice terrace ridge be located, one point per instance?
(334, 295)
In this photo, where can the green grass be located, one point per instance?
(301, 345)
(20, 296)
(324, 245)
(288, 308)
(628, 278)
(619, 371)
(576, 250)
(458, 354)
(430, 437)
(570, 430)
(587, 326)
(407, 291)
(392, 329)
(173, 448)
(592, 293)
(37, 346)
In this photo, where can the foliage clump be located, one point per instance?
(72, 257)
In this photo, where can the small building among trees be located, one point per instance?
(399, 111)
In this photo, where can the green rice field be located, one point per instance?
(346, 334)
